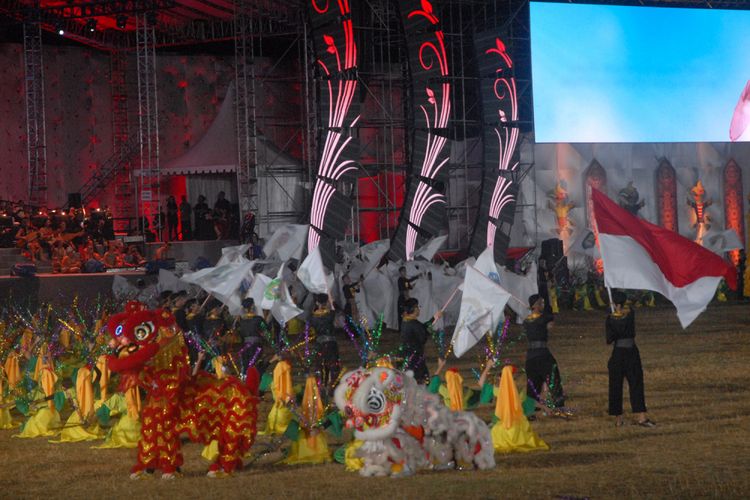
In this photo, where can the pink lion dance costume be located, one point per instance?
(202, 406)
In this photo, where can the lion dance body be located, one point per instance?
(203, 407)
(405, 428)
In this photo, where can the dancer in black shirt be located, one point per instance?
(541, 365)
(414, 335)
(625, 362)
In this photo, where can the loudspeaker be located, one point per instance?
(74, 200)
(552, 251)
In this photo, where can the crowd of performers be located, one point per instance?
(79, 360)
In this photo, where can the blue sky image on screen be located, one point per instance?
(637, 74)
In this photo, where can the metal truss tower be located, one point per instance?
(36, 143)
(149, 179)
(247, 151)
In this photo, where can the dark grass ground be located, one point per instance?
(696, 389)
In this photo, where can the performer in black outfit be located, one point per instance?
(350, 292)
(541, 365)
(625, 362)
(250, 327)
(328, 348)
(414, 335)
(404, 285)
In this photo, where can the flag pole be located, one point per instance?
(596, 233)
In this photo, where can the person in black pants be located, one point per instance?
(541, 365)
(625, 362)
(404, 285)
(414, 335)
(250, 326)
(328, 347)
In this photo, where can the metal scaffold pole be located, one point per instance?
(36, 142)
(149, 179)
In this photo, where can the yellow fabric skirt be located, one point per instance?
(519, 438)
(75, 431)
(278, 420)
(43, 423)
(211, 451)
(352, 462)
(6, 421)
(308, 449)
(124, 434)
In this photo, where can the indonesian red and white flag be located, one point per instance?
(639, 255)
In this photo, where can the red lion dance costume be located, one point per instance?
(202, 406)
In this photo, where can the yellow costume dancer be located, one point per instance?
(11, 374)
(512, 432)
(46, 421)
(553, 299)
(77, 427)
(311, 445)
(454, 394)
(127, 431)
(280, 416)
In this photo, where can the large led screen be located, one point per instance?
(640, 74)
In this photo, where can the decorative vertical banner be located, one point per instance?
(423, 214)
(594, 177)
(500, 141)
(666, 195)
(734, 204)
(336, 62)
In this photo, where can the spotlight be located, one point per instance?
(122, 21)
(59, 28)
(91, 25)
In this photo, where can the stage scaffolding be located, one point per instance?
(260, 31)
(148, 185)
(36, 143)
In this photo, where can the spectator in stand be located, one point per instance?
(202, 224)
(162, 253)
(248, 227)
(172, 218)
(134, 258)
(186, 213)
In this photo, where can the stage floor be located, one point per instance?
(58, 289)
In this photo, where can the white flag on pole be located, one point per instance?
(287, 242)
(313, 274)
(429, 249)
(725, 241)
(482, 306)
(234, 254)
(370, 256)
(283, 308)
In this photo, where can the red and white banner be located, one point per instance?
(642, 256)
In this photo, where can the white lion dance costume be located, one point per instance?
(405, 428)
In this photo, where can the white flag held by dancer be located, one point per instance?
(429, 249)
(287, 242)
(370, 256)
(482, 306)
(283, 308)
(520, 287)
(232, 255)
(313, 274)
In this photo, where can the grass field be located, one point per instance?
(697, 391)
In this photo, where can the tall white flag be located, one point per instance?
(370, 256)
(235, 254)
(283, 308)
(429, 249)
(287, 242)
(482, 306)
(313, 274)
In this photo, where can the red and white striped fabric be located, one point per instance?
(642, 256)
